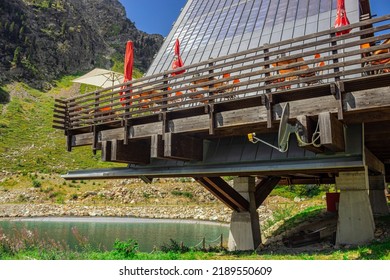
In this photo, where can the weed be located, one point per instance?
(174, 247)
(36, 183)
(146, 195)
(22, 198)
(279, 214)
(126, 249)
(60, 199)
(47, 190)
(180, 193)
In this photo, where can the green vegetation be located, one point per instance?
(306, 191)
(118, 66)
(25, 244)
(4, 97)
(28, 143)
(181, 193)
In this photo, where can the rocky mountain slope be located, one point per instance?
(41, 40)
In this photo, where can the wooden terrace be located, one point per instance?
(169, 125)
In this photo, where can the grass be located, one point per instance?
(28, 143)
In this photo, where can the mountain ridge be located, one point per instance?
(42, 40)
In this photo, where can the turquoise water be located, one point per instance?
(102, 232)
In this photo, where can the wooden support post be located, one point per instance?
(268, 105)
(264, 188)
(126, 131)
(157, 146)
(137, 152)
(309, 127)
(95, 144)
(106, 150)
(211, 119)
(165, 122)
(225, 193)
(372, 162)
(182, 147)
(331, 132)
(69, 142)
(339, 94)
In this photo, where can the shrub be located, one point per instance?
(126, 249)
(174, 247)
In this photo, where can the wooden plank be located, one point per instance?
(59, 122)
(263, 189)
(331, 132)
(84, 139)
(59, 106)
(183, 147)
(60, 101)
(225, 193)
(157, 146)
(135, 152)
(106, 150)
(58, 127)
(309, 126)
(373, 163)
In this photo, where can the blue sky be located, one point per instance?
(153, 16)
(157, 16)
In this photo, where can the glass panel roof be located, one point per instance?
(220, 27)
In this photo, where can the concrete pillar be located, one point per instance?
(244, 231)
(378, 196)
(355, 222)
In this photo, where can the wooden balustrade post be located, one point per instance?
(165, 96)
(266, 66)
(335, 60)
(267, 100)
(97, 99)
(211, 86)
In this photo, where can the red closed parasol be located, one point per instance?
(128, 70)
(341, 18)
(177, 62)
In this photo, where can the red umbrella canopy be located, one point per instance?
(128, 70)
(177, 61)
(341, 18)
(129, 60)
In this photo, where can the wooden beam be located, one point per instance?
(331, 132)
(225, 193)
(309, 127)
(264, 187)
(106, 150)
(135, 152)
(373, 163)
(83, 139)
(157, 146)
(183, 147)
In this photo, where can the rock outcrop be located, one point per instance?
(40, 40)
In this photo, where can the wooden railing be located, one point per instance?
(289, 66)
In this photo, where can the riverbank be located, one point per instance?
(191, 212)
(41, 195)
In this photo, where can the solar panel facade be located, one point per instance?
(209, 29)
